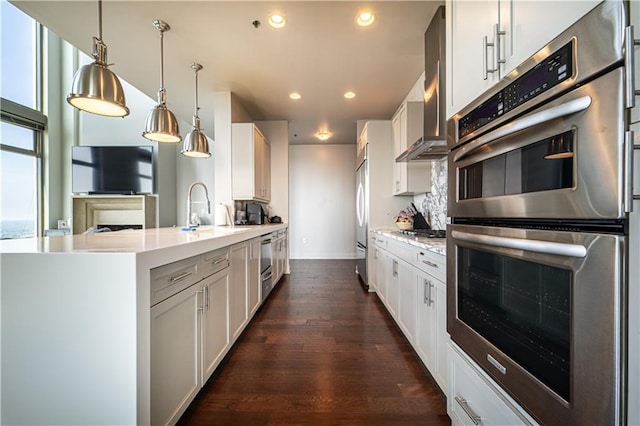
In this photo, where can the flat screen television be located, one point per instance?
(112, 169)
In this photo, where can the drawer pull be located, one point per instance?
(181, 276)
(426, 262)
(469, 412)
(220, 259)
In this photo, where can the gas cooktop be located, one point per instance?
(428, 233)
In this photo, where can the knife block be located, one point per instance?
(419, 222)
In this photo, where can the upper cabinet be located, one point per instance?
(251, 160)
(407, 127)
(487, 39)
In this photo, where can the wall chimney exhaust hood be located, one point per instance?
(433, 144)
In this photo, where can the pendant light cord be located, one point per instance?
(197, 107)
(162, 60)
(100, 20)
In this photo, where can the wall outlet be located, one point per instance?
(63, 224)
(305, 240)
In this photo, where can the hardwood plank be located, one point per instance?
(321, 351)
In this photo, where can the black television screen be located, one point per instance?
(112, 169)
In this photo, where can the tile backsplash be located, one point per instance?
(434, 204)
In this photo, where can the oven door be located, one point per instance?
(540, 312)
(512, 172)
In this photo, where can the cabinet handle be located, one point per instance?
(433, 265)
(426, 284)
(496, 52)
(181, 276)
(468, 411)
(430, 294)
(395, 268)
(206, 297)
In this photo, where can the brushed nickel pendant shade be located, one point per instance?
(161, 124)
(196, 143)
(95, 88)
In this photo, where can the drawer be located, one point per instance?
(473, 398)
(432, 263)
(213, 262)
(172, 278)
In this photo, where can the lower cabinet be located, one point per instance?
(474, 398)
(239, 255)
(409, 282)
(215, 322)
(432, 339)
(253, 277)
(175, 354)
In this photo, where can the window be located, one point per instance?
(21, 125)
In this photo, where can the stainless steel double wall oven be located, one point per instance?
(539, 191)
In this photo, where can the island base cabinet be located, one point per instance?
(239, 254)
(175, 355)
(215, 322)
(474, 399)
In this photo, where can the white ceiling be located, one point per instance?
(320, 53)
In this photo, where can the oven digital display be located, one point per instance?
(523, 309)
(550, 72)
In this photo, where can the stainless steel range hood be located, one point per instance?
(433, 144)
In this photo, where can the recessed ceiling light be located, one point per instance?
(295, 95)
(365, 19)
(349, 95)
(324, 135)
(277, 21)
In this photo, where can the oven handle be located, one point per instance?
(571, 107)
(546, 247)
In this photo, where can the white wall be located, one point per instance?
(322, 198)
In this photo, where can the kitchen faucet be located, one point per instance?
(196, 222)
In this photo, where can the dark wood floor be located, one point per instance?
(322, 351)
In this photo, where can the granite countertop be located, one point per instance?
(436, 245)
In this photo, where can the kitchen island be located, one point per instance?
(76, 326)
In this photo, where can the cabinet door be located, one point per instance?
(215, 322)
(258, 164)
(407, 304)
(529, 25)
(439, 293)
(175, 355)
(381, 274)
(266, 170)
(399, 133)
(426, 335)
(467, 23)
(238, 289)
(392, 286)
(254, 285)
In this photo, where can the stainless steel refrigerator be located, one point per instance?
(362, 214)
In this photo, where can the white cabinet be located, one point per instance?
(432, 338)
(475, 399)
(407, 127)
(175, 355)
(279, 255)
(239, 255)
(189, 330)
(253, 277)
(251, 163)
(407, 303)
(215, 321)
(486, 39)
(393, 283)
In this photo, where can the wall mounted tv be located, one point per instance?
(112, 169)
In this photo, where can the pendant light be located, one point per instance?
(95, 88)
(195, 143)
(161, 124)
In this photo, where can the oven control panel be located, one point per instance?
(550, 72)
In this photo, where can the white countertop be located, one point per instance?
(136, 241)
(436, 245)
